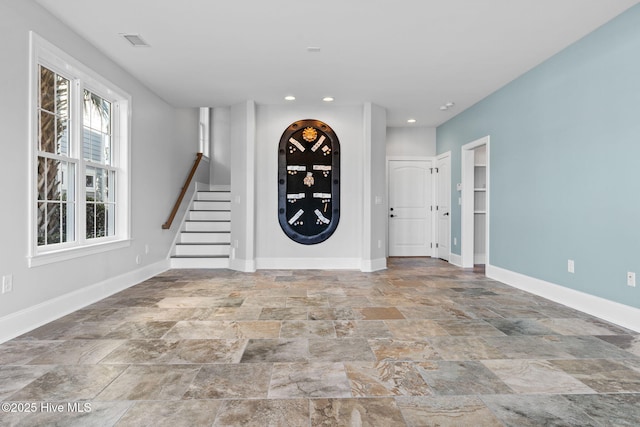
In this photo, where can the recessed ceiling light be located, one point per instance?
(313, 49)
(411, 121)
(328, 99)
(444, 108)
(449, 104)
(135, 40)
(290, 98)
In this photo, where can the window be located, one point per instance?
(80, 158)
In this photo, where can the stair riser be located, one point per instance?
(226, 196)
(207, 226)
(209, 216)
(199, 262)
(211, 206)
(205, 238)
(202, 250)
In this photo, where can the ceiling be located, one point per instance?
(409, 56)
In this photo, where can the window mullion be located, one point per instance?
(81, 169)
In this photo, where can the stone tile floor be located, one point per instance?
(420, 344)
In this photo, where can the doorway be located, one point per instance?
(475, 203)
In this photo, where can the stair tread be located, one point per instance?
(207, 232)
(204, 243)
(200, 256)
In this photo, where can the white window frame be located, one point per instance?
(81, 77)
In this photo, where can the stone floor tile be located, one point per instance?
(537, 410)
(69, 383)
(609, 409)
(392, 349)
(151, 382)
(276, 350)
(601, 375)
(374, 412)
(263, 413)
(312, 379)
(231, 381)
(184, 413)
(446, 411)
(386, 378)
(307, 329)
(461, 378)
(535, 376)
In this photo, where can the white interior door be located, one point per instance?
(443, 195)
(410, 201)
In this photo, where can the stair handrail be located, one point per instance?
(174, 211)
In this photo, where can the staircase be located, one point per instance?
(205, 238)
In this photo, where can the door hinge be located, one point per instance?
(437, 207)
(436, 170)
(431, 170)
(436, 245)
(431, 245)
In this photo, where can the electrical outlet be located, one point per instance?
(631, 279)
(571, 268)
(7, 283)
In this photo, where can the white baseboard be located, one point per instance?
(308, 263)
(243, 265)
(371, 265)
(20, 322)
(620, 314)
(455, 259)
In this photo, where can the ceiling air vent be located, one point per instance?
(135, 40)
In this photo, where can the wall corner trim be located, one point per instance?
(611, 311)
(371, 265)
(455, 259)
(20, 322)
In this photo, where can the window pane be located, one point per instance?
(47, 89)
(42, 224)
(110, 219)
(53, 221)
(62, 97)
(53, 182)
(62, 133)
(41, 178)
(91, 220)
(96, 129)
(101, 226)
(47, 138)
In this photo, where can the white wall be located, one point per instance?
(220, 145)
(162, 150)
(411, 141)
(242, 137)
(374, 248)
(344, 248)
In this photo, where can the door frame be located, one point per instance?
(467, 217)
(437, 197)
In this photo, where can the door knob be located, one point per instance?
(391, 215)
(445, 214)
(391, 209)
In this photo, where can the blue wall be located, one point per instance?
(565, 164)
